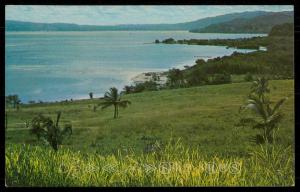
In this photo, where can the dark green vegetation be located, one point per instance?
(258, 24)
(49, 131)
(198, 24)
(12, 101)
(91, 95)
(276, 62)
(244, 43)
(140, 87)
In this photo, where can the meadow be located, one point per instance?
(186, 127)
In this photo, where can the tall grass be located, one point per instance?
(169, 165)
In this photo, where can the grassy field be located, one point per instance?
(204, 118)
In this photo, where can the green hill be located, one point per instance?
(204, 117)
(286, 29)
(258, 24)
(107, 152)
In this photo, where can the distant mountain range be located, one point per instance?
(194, 26)
(258, 24)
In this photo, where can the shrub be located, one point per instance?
(48, 131)
(267, 117)
(248, 77)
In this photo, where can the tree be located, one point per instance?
(248, 77)
(155, 77)
(268, 116)
(196, 76)
(13, 100)
(113, 98)
(175, 78)
(49, 131)
(91, 95)
(128, 89)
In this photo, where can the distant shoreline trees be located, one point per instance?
(91, 95)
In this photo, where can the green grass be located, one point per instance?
(173, 165)
(205, 118)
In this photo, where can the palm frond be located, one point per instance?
(278, 104)
(58, 117)
(105, 104)
(260, 125)
(274, 119)
(256, 105)
(107, 95)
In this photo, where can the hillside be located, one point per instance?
(276, 61)
(258, 24)
(201, 23)
(206, 117)
(286, 29)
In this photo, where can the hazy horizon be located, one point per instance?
(122, 15)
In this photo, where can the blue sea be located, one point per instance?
(53, 66)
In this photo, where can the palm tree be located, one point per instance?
(49, 131)
(260, 86)
(112, 97)
(268, 116)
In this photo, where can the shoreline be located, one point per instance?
(147, 75)
(141, 76)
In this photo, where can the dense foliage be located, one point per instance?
(277, 62)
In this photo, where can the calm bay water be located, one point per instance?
(51, 66)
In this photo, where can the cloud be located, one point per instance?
(111, 15)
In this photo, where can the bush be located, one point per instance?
(221, 78)
(248, 77)
(49, 131)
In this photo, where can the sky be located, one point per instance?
(113, 15)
